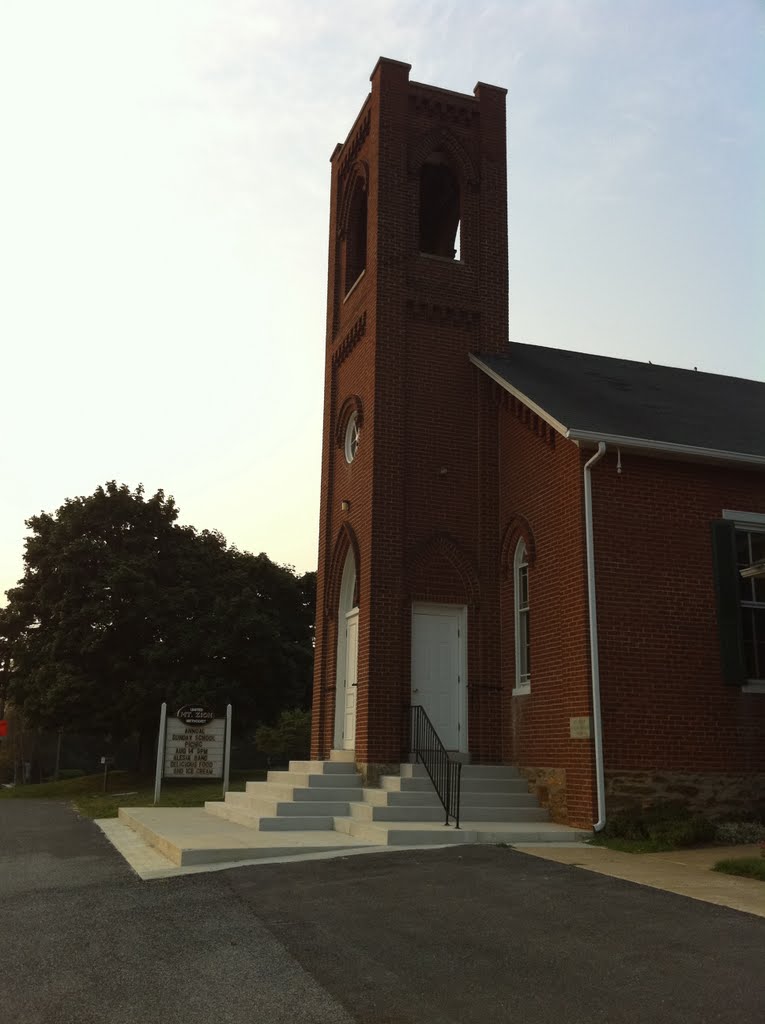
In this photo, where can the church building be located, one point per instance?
(553, 553)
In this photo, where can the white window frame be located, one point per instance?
(752, 522)
(352, 435)
(520, 562)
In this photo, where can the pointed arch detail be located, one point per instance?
(448, 548)
(517, 528)
(351, 405)
(344, 542)
(442, 140)
(358, 178)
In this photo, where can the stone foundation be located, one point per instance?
(716, 794)
(549, 787)
(371, 773)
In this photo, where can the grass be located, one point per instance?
(126, 789)
(747, 867)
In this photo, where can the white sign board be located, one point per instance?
(194, 751)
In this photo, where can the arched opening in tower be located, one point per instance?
(439, 208)
(356, 236)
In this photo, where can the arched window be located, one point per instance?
(356, 235)
(439, 207)
(352, 432)
(522, 635)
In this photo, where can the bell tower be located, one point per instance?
(408, 519)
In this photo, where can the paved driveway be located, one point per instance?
(452, 936)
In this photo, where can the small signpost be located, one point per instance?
(107, 762)
(193, 744)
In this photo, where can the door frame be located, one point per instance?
(344, 745)
(345, 605)
(462, 642)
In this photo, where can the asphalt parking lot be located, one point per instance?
(453, 936)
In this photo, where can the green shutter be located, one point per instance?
(728, 607)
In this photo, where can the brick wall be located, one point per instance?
(665, 705)
(541, 500)
(665, 708)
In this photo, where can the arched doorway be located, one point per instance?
(347, 657)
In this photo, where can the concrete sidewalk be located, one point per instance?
(685, 872)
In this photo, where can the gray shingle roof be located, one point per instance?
(619, 398)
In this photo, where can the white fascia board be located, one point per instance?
(498, 379)
(745, 518)
(665, 447)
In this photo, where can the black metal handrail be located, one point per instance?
(444, 773)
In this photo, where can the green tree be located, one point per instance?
(10, 630)
(121, 608)
(289, 738)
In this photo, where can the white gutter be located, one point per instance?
(597, 723)
(666, 447)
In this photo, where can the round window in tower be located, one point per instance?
(352, 432)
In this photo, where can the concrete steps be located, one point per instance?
(322, 805)
(305, 798)
(405, 810)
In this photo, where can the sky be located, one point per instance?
(164, 206)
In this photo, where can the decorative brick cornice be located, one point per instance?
(350, 340)
(534, 423)
(444, 109)
(469, 319)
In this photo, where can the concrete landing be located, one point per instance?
(189, 835)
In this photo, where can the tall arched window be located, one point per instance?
(522, 635)
(356, 235)
(439, 207)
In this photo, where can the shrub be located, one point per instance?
(670, 825)
(734, 833)
(290, 738)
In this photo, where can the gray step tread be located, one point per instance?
(324, 767)
(468, 771)
(314, 780)
(297, 824)
(285, 808)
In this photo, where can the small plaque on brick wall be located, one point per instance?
(581, 728)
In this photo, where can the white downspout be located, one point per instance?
(597, 724)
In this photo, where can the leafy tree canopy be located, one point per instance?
(121, 608)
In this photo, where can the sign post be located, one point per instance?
(227, 754)
(160, 753)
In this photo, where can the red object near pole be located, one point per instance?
(3, 727)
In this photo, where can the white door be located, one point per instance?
(349, 682)
(439, 670)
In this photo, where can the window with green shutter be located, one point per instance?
(740, 600)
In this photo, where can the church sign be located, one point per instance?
(195, 714)
(193, 744)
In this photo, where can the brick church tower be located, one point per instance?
(407, 594)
